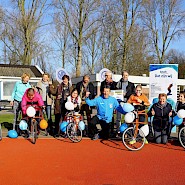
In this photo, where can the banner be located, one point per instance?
(60, 72)
(163, 79)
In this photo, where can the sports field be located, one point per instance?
(103, 162)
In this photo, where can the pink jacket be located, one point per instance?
(36, 101)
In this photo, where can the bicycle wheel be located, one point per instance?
(0, 133)
(182, 137)
(33, 134)
(74, 132)
(131, 142)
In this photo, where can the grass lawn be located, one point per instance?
(6, 121)
(6, 118)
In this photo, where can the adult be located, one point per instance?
(105, 105)
(140, 101)
(61, 92)
(108, 81)
(128, 89)
(161, 112)
(17, 94)
(138, 98)
(31, 97)
(43, 89)
(82, 87)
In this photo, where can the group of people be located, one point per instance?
(83, 97)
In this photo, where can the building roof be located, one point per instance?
(17, 70)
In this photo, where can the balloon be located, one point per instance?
(129, 117)
(181, 113)
(127, 107)
(123, 127)
(12, 134)
(155, 100)
(82, 125)
(63, 126)
(30, 111)
(43, 124)
(177, 120)
(145, 130)
(69, 106)
(23, 125)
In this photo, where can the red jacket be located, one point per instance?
(36, 101)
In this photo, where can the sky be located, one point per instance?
(178, 45)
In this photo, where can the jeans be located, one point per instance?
(161, 136)
(16, 109)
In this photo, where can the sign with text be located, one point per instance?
(163, 79)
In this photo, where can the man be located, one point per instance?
(108, 81)
(82, 87)
(128, 89)
(105, 105)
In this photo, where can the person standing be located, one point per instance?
(108, 81)
(128, 89)
(82, 87)
(43, 89)
(17, 94)
(61, 92)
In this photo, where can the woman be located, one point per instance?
(75, 99)
(43, 89)
(140, 101)
(17, 94)
(61, 92)
(161, 112)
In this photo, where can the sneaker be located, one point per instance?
(132, 142)
(96, 136)
(146, 141)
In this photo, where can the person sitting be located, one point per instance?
(31, 98)
(139, 101)
(180, 105)
(75, 99)
(161, 112)
(105, 105)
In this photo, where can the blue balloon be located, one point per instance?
(63, 126)
(127, 107)
(12, 134)
(23, 125)
(155, 100)
(177, 120)
(123, 127)
(82, 125)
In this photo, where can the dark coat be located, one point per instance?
(112, 85)
(56, 90)
(90, 88)
(130, 89)
(161, 117)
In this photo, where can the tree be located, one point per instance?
(21, 30)
(163, 21)
(79, 17)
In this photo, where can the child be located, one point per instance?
(75, 99)
(161, 112)
(180, 104)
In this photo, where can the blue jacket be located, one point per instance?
(105, 107)
(19, 90)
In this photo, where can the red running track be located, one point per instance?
(61, 162)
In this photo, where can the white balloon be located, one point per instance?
(129, 117)
(69, 106)
(31, 111)
(181, 113)
(145, 130)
